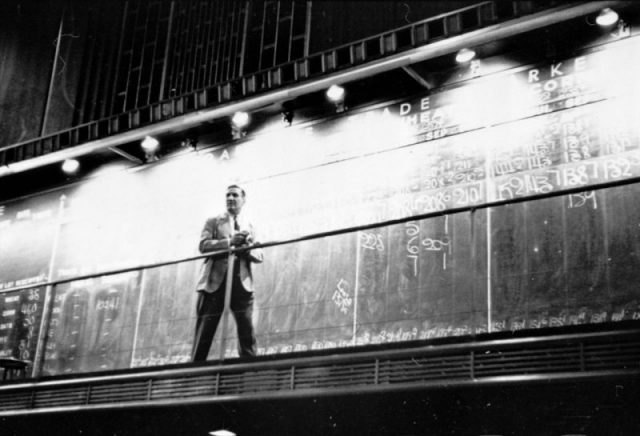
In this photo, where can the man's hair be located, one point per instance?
(237, 187)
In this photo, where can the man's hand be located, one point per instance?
(240, 238)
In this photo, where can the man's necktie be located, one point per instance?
(236, 228)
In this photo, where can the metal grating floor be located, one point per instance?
(599, 354)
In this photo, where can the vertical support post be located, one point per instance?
(165, 63)
(47, 103)
(227, 304)
(356, 284)
(114, 90)
(474, 262)
(307, 29)
(49, 295)
(141, 283)
(245, 31)
(489, 300)
(262, 25)
(227, 296)
(491, 195)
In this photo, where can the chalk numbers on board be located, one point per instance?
(412, 230)
(371, 241)
(30, 309)
(341, 296)
(587, 199)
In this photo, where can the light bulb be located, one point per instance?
(70, 166)
(465, 55)
(335, 93)
(607, 17)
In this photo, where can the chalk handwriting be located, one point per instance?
(341, 296)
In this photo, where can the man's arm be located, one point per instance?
(209, 238)
(254, 255)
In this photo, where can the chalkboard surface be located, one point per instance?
(166, 322)
(566, 260)
(27, 233)
(92, 324)
(20, 316)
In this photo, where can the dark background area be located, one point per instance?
(532, 409)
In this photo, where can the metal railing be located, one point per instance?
(605, 354)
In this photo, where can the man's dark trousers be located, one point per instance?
(210, 307)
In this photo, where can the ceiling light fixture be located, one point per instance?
(607, 17)
(465, 55)
(222, 433)
(335, 93)
(287, 117)
(190, 142)
(70, 166)
(150, 146)
(240, 120)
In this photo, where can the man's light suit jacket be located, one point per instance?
(216, 235)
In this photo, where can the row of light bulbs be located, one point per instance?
(335, 94)
(239, 121)
(607, 17)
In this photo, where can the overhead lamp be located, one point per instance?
(190, 142)
(288, 112)
(335, 93)
(70, 166)
(287, 116)
(465, 55)
(240, 119)
(150, 146)
(222, 433)
(607, 17)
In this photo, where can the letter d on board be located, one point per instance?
(405, 108)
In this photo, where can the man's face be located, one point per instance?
(235, 200)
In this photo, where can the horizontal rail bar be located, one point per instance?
(45, 393)
(323, 392)
(302, 362)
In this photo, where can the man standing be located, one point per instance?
(221, 232)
